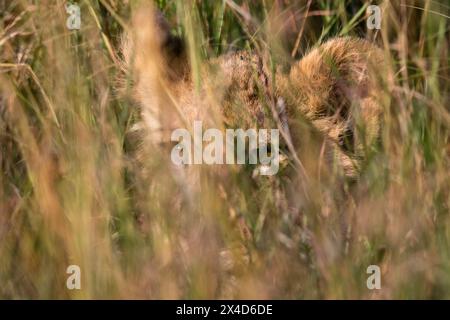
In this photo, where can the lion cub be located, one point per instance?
(333, 87)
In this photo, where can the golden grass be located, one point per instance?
(73, 192)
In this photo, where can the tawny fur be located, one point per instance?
(333, 87)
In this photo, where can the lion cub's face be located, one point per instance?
(331, 87)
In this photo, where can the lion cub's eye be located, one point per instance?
(346, 140)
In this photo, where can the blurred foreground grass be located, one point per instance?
(71, 191)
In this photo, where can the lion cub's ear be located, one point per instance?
(151, 44)
(173, 48)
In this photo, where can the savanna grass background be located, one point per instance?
(72, 191)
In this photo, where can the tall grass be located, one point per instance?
(72, 190)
